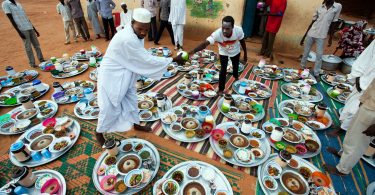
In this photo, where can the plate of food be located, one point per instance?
(187, 66)
(205, 74)
(40, 138)
(18, 78)
(307, 113)
(269, 72)
(254, 89)
(85, 55)
(87, 109)
(239, 149)
(297, 138)
(160, 51)
(42, 109)
(13, 96)
(197, 90)
(193, 177)
(293, 75)
(152, 105)
(72, 91)
(301, 91)
(187, 123)
(298, 176)
(137, 163)
(205, 57)
(45, 181)
(94, 74)
(239, 107)
(144, 83)
(340, 93)
(69, 70)
(171, 71)
(241, 67)
(333, 79)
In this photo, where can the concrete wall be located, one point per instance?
(297, 18)
(198, 28)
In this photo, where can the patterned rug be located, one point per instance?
(356, 182)
(78, 163)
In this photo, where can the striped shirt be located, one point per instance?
(18, 14)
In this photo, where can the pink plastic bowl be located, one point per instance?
(49, 122)
(217, 134)
(48, 184)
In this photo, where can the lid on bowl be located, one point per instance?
(56, 84)
(17, 146)
(243, 84)
(20, 173)
(87, 91)
(331, 59)
(349, 61)
(36, 82)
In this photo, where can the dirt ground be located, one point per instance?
(50, 26)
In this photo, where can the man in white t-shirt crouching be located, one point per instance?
(229, 37)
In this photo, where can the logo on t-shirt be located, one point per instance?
(229, 45)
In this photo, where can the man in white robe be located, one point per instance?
(125, 17)
(363, 72)
(177, 18)
(124, 62)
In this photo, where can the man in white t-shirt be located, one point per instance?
(229, 37)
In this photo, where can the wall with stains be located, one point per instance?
(201, 24)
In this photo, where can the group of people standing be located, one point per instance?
(172, 16)
(71, 11)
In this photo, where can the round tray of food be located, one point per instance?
(292, 136)
(241, 67)
(268, 72)
(315, 116)
(19, 119)
(205, 74)
(13, 96)
(293, 75)
(87, 108)
(51, 64)
(171, 71)
(193, 177)
(239, 107)
(94, 74)
(340, 93)
(71, 92)
(85, 55)
(126, 167)
(301, 91)
(204, 57)
(253, 89)
(17, 78)
(160, 51)
(290, 174)
(241, 145)
(187, 66)
(333, 79)
(45, 142)
(196, 90)
(26, 181)
(72, 69)
(144, 83)
(151, 105)
(187, 123)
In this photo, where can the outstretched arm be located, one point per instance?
(10, 17)
(200, 47)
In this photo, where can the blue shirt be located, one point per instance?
(105, 8)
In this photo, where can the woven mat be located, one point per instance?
(78, 163)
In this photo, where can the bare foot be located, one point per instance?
(332, 170)
(335, 132)
(333, 151)
(142, 128)
(100, 138)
